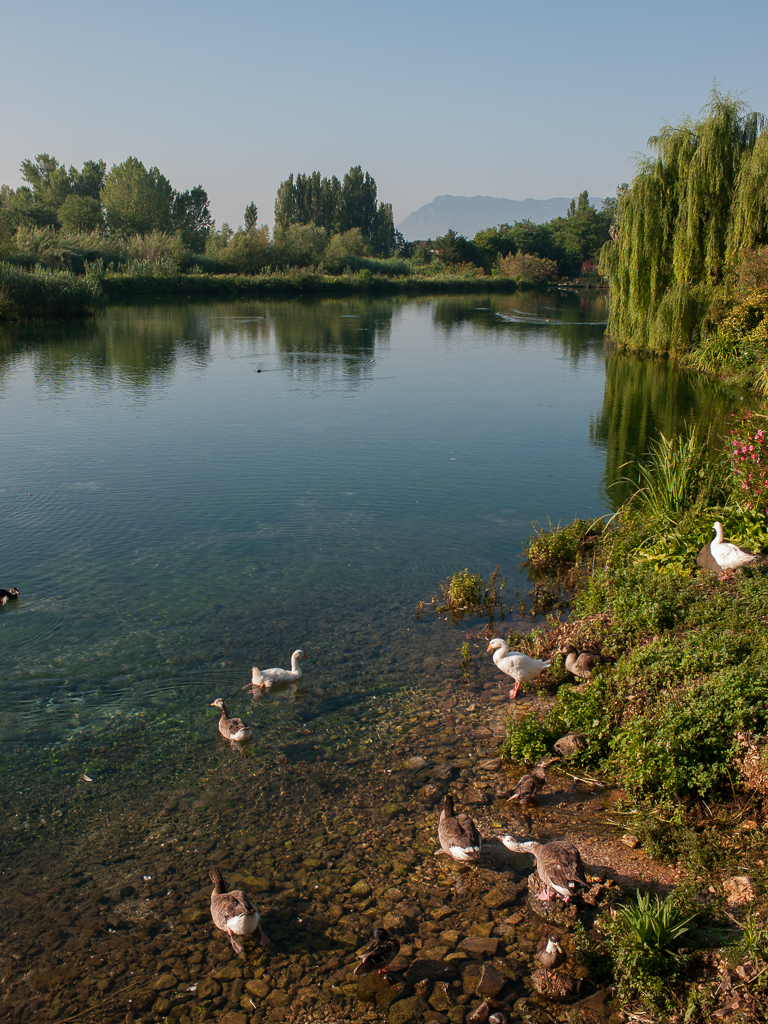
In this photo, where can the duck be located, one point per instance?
(528, 787)
(457, 833)
(232, 729)
(518, 666)
(570, 744)
(581, 663)
(558, 865)
(233, 912)
(380, 951)
(552, 955)
(727, 555)
(270, 676)
(8, 595)
(554, 985)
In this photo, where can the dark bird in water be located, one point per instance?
(581, 663)
(558, 865)
(530, 785)
(233, 912)
(457, 833)
(570, 744)
(552, 955)
(232, 729)
(8, 595)
(380, 951)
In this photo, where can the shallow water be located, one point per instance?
(193, 489)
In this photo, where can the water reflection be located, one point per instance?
(645, 397)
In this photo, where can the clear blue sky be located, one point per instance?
(493, 97)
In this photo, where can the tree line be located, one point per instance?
(68, 217)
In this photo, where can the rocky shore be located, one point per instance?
(328, 844)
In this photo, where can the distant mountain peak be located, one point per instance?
(469, 214)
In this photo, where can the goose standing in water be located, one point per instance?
(518, 666)
(727, 555)
(529, 786)
(270, 676)
(558, 865)
(233, 912)
(380, 951)
(232, 729)
(457, 833)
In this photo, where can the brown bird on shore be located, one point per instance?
(457, 833)
(558, 865)
(570, 744)
(529, 786)
(8, 595)
(581, 663)
(233, 912)
(380, 951)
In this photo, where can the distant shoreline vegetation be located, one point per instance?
(71, 239)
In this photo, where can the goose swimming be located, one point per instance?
(270, 676)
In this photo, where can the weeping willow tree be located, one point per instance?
(692, 211)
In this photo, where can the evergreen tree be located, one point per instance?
(250, 216)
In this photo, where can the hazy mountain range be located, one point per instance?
(469, 214)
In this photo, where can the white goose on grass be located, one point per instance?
(269, 676)
(517, 666)
(727, 555)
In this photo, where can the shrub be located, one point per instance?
(525, 268)
(41, 292)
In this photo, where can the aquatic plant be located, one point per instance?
(466, 660)
(464, 594)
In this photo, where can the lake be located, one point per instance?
(192, 489)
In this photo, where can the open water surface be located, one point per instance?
(190, 489)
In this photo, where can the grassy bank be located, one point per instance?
(679, 716)
(291, 282)
(46, 293)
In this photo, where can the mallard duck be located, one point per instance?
(233, 912)
(380, 951)
(552, 955)
(558, 865)
(8, 595)
(581, 663)
(457, 833)
(270, 676)
(518, 666)
(727, 555)
(528, 787)
(570, 744)
(232, 729)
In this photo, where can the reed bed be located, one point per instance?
(46, 293)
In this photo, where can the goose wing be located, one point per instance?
(559, 865)
(459, 836)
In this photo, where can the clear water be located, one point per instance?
(187, 490)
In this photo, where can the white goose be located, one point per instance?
(270, 676)
(727, 555)
(518, 666)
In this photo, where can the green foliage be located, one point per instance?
(40, 292)
(251, 216)
(336, 207)
(244, 252)
(561, 545)
(342, 249)
(465, 594)
(687, 217)
(642, 941)
(136, 200)
(677, 477)
(527, 740)
(525, 268)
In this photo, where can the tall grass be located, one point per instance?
(678, 475)
(46, 293)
